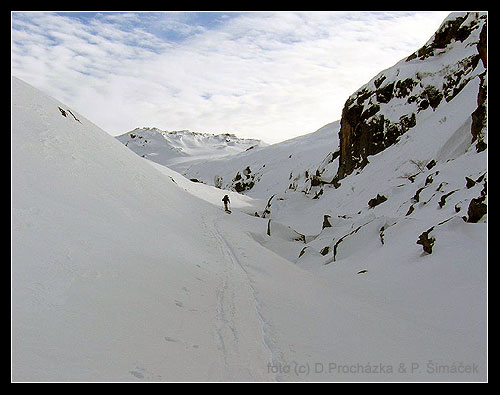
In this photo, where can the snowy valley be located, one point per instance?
(354, 253)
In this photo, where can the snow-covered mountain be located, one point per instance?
(329, 268)
(175, 147)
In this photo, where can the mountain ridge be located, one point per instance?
(175, 147)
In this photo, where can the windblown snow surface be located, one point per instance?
(124, 270)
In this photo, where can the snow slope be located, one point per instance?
(114, 277)
(268, 170)
(120, 272)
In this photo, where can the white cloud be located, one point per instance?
(265, 75)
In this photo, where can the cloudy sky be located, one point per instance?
(266, 75)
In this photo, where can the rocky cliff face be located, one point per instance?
(380, 112)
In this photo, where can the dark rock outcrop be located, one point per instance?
(326, 222)
(478, 207)
(377, 200)
(426, 242)
(243, 183)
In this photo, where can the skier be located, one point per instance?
(225, 199)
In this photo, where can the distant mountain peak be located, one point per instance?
(173, 147)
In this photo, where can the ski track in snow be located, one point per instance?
(234, 292)
(236, 263)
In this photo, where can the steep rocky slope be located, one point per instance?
(415, 135)
(397, 99)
